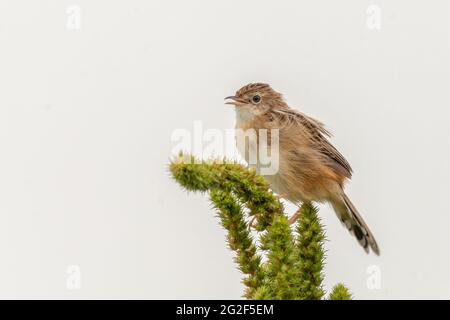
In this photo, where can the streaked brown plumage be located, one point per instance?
(310, 168)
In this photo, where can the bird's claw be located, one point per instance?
(252, 223)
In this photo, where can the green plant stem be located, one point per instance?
(310, 238)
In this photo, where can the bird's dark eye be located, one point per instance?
(256, 99)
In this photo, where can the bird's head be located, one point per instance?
(256, 98)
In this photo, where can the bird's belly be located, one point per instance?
(277, 180)
(286, 187)
(296, 185)
(294, 182)
(277, 184)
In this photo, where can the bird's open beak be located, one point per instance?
(236, 101)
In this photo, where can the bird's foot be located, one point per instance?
(295, 217)
(252, 223)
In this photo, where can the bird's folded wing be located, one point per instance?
(317, 133)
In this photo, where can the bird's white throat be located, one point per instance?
(243, 116)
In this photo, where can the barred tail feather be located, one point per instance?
(351, 218)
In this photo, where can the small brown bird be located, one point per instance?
(310, 168)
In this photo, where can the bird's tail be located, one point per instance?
(351, 218)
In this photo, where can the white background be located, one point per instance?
(86, 118)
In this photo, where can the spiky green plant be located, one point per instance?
(295, 260)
